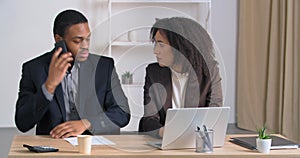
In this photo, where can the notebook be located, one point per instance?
(277, 142)
(181, 124)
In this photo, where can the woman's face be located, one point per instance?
(163, 50)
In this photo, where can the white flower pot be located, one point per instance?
(263, 145)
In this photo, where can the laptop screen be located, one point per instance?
(181, 124)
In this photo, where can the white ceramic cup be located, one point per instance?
(84, 144)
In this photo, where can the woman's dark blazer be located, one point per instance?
(158, 95)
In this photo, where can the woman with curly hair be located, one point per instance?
(185, 75)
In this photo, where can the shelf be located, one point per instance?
(132, 85)
(127, 43)
(160, 1)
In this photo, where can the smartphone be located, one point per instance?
(40, 149)
(62, 45)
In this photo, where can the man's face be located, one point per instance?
(77, 38)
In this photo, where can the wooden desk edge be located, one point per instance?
(229, 150)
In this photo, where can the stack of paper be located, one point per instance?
(96, 140)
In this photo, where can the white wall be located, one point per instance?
(26, 32)
(224, 32)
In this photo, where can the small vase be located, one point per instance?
(132, 36)
(263, 145)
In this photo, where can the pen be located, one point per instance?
(209, 143)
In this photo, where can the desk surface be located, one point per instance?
(134, 146)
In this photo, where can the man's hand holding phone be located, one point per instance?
(58, 67)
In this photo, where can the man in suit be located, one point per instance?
(74, 92)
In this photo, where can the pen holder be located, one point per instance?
(204, 141)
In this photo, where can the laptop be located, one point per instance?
(181, 124)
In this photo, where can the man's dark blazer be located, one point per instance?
(101, 99)
(158, 95)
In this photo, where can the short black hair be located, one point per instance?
(65, 19)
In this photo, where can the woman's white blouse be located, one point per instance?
(179, 84)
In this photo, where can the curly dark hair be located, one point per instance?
(190, 39)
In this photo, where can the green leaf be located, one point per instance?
(262, 133)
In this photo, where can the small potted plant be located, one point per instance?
(127, 77)
(264, 141)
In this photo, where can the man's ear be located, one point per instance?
(57, 38)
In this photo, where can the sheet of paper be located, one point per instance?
(96, 140)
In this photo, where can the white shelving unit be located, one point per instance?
(129, 43)
(160, 1)
(130, 22)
